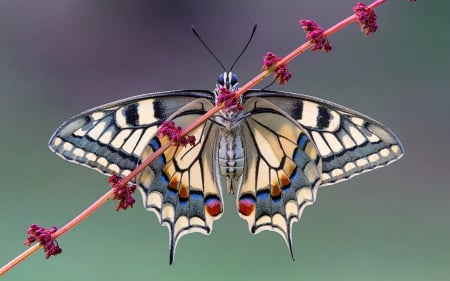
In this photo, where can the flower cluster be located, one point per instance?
(168, 129)
(44, 236)
(281, 73)
(366, 18)
(314, 33)
(232, 103)
(123, 193)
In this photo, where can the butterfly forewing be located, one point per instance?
(348, 142)
(112, 137)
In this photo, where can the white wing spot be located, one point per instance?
(106, 137)
(97, 130)
(197, 222)
(181, 223)
(373, 138)
(357, 121)
(280, 221)
(373, 158)
(125, 173)
(304, 194)
(321, 144)
(396, 149)
(349, 168)
(120, 138)
(385, 152)
(102, 161)
(57, 141)
(335, 121)
(309, 114)
(333, 142)
(132, 141)
(263, 220)
(291, 209)
(67, 146)
(356, 135)
(155, 199)
(121, 120)
(145, 139)
(80, 132)
(337, 173)
(168, 213)
(78, 152)
(348, 142)
(325, 177)
(97, 115)
(91, 157)
(114, 168)
(362, 162)
(145, 112)
(146, 177)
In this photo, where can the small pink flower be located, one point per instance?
(123, 193)
(45, 238)
(232, 103)
(366, 18)
(281, 73)
(314, 33)
(168, 129)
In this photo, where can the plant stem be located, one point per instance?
(20, 258)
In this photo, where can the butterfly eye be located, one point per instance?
(221, 80)
(234, 79)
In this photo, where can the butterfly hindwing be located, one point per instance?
(282, 171)
(348, 142)
(111, 138)
(180, 186)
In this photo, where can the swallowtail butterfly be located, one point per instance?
(274, 153)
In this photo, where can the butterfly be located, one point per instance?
(275, 152)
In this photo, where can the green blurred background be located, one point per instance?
(58, 58)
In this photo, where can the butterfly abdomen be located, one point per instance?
(231, 157)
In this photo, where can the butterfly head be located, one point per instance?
(225, 91)
(228, 80)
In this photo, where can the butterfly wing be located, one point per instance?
(349, 143)
(282, 171)
(181, 187)
(111, 138)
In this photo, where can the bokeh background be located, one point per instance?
(58, 58)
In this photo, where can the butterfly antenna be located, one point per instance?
(246, 45)
(265, 88)
(206, 46)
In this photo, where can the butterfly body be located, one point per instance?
(274, 149)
